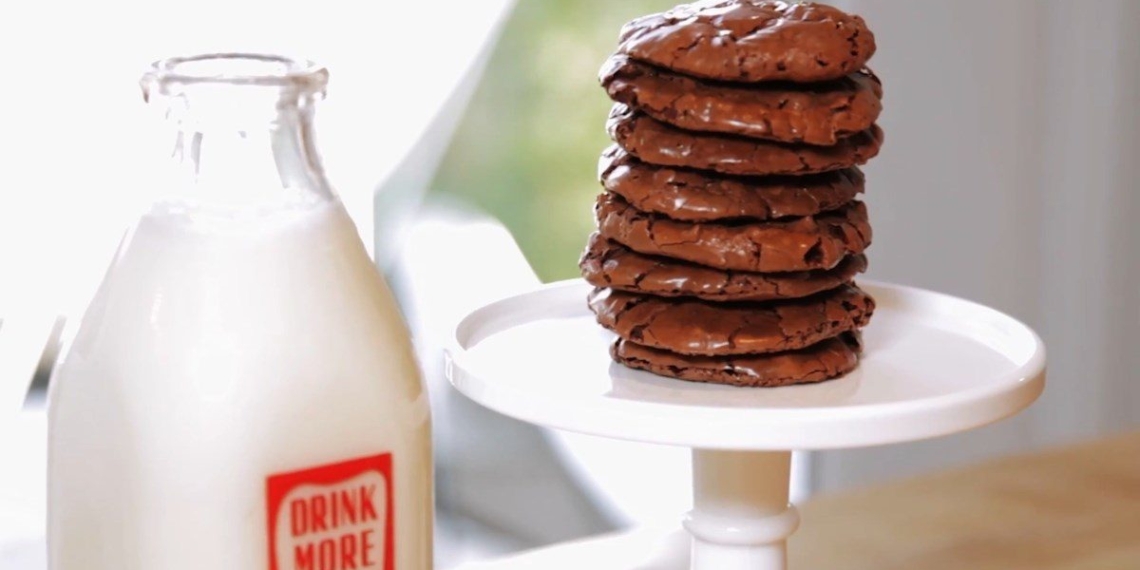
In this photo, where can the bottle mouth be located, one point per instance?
(174, 75)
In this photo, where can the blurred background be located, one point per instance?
(464, 142)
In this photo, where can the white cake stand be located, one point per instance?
(933, 365)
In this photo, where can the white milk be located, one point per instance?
(223, 381)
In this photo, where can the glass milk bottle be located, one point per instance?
(242, 393)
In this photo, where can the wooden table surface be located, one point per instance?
(1076, 508)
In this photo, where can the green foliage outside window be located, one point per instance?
(526, 151)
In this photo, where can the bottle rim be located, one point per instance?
(170, 75)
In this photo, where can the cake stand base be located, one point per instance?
(741, 518)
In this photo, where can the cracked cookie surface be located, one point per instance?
(751, 40)
(800, 244)
(818, 113)
(662, 144)
(609, 264)
(821, 361)
(695, 327)
(697, 196)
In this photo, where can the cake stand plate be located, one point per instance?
(932, 365)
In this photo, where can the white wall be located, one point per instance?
(69, 91)
(1010, 176)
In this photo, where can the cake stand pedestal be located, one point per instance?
(933, 365)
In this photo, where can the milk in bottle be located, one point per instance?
(241, 393)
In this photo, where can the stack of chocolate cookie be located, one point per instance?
(729, 232)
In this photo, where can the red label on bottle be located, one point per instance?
(333, 517)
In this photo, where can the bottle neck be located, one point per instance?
(247, 166)
(239, 146)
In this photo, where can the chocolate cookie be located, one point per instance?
(692, 326)
(751, 40)
(698, 196)
(816, 113)
(607, 263)
(658, 143)
(821, 361)
(801, 244)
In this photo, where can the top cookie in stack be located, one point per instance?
(729, 231)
